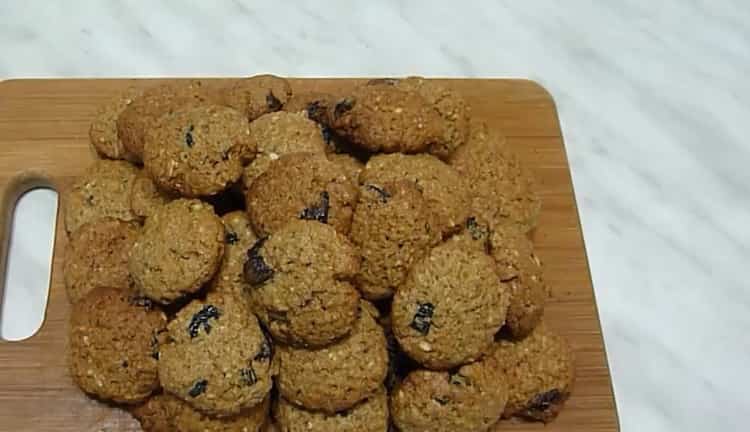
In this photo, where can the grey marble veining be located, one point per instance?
(653, 99)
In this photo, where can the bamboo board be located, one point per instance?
(44, 142)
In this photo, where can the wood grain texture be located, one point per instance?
(44, 141)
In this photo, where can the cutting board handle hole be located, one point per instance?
(28, 264)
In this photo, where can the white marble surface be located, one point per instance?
(653, 98)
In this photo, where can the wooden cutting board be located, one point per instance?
(44, 141)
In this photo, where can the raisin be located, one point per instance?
(154, 347)
(383, 81)
(141, 301)
(256, 270)
(265, 351)
(382, 193)
(124, 364)
(272, 102)
(342, 107)
(248, 377)
(231, 238)
(199, 387)
(441, 400)
(327, 134)
(277, 316)
(315, 111)
(189, 141)
(317, 212)
(423, 318)
(201, 319)
(90, 200)
(543, 401)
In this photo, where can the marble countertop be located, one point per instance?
(653, 99)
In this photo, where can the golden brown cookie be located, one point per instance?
(103, 131)
(452, 108)
(467, 400)
(386, 119)
(450, 307)
(300, 287)
(102, 191)
(540, 372)
(216, 357)
(301, 186)
(277, 134)
(197, 150)
(351, 165)
(146, 197)
(166, 413)
(503, 191)
(238, 239)
(370, 415)
(258, 95)
(179, 250)
(141, 114)
(112, 342)
(393, 227)
(520, 268)
(337, 377)
(97, 256)
(446, 192)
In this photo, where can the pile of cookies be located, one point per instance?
(243, 257)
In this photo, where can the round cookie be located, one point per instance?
(102, 191)
(386, 119)
(281, 133)
(103, 130)
(301, 186)
(258, 95)
(111, 345)
(216, 358)
(146, 197)
(520, 268)
(446, 192)
(502, 190)
(238, 238)
(452, 108)
(142, 113)
(470, 399)
(393, 227)
(97, 256)
(180, 249)
(540, 372)
(300, 287)
(337, 377)
(352, 166)
(450, 306)
(197, 150)
(166, 413)
(370, 415)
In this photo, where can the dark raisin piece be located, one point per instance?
(342, 107)
(383, 81)
(277, 316)
(256, 270)
(318, 212)
(90, 200)
(231, 238)
(141, 301)
(543, 402)
(327, 134)
(315, 111)
(199, 387)
(189, 141)
(384, 194)
(477, 231)
(272, 102)
(124, 363)
(441, 400)
(423, 318)
(265, 351)
(154, 347)
(201, 319)
(248, 377)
